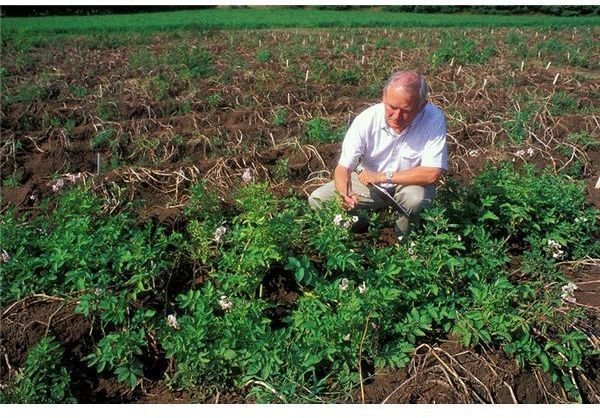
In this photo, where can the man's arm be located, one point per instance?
(418, 176)
(343, 184)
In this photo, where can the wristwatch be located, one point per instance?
(389, 175)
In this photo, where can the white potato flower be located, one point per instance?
(225, 303)
(362, 288)
(219, 232)
(247, 176)
(172, 321)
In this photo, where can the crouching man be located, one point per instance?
(401, 145)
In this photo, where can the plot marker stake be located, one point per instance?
(555, 79)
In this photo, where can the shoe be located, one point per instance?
(361, 226)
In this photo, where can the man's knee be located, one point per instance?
(416, 198)
(318, 196)
(314, 201)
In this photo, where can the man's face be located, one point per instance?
(401, 107)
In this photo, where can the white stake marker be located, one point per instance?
(555, 79)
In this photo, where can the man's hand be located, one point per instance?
(369, 177)
(350, 200)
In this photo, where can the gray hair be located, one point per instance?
(411, 81)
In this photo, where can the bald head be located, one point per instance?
(404, 96)
(410, 82)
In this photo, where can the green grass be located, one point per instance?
(271, 17)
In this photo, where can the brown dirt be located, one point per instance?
(447, 373)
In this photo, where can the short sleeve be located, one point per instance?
(352, 146)
(435, 151)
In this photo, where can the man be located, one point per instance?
(401, 143)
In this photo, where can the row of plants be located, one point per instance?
(275, 17)
(359, 305)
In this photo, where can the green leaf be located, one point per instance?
(229, 354)
(545, 362)
(489, 216)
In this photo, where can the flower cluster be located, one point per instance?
(71, 178)
(362, 288)
(556, 249)
(411, 249)
(339, 220)
(247, 176)
(344, 284)
(219, 232)
(5, 258)
(225, 303)
(567, 292)
(58, 185)
(172, 321)
(529, 152)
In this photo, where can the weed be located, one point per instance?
(562, 102)
(78, 91)
(194, 62)
(347, 76)
(461, 50)
(280, 116)
(143, 60)
(26, 94)
(405, 43)
(382, 43)
(106, 111)
(585, 140)
(281, 170)
(263, 56)
(321, 131)
(521, 122)
(185, 108)
(214, 100)
(11, 181)
(159, 87)
(103, 140)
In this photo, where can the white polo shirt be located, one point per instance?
(422, 143)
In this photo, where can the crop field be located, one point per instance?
(157, 244)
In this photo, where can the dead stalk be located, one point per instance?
(265, 385)
(362, 340)
(398, 388)
(512, 393)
